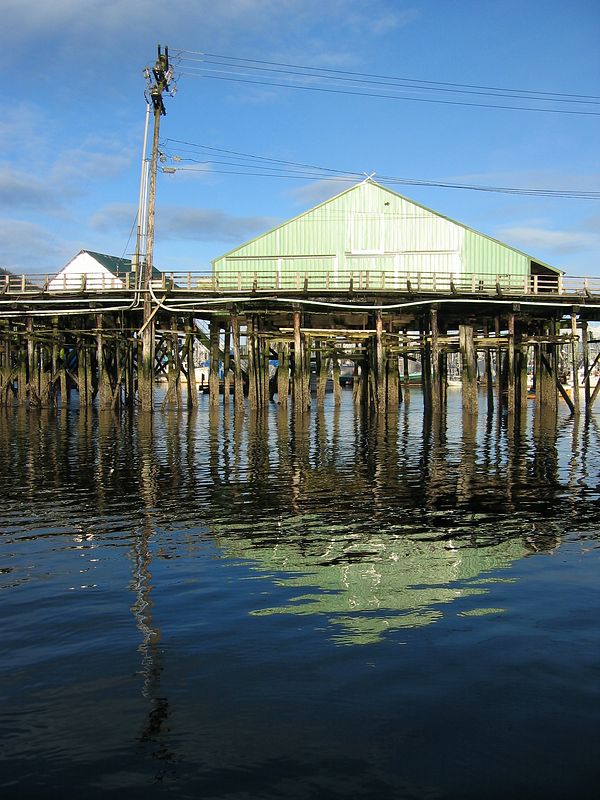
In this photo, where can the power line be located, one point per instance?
(382, 96)
(254, 71)
(409, 83)
(271, 167)
(383, 77)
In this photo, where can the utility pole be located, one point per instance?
(162, 74)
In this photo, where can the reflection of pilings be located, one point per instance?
(434, 452)
(468, 457)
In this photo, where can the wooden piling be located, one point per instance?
(405, 367)
(498, 364)
(586, 362)
(264, 356)
(238, 384)
(301, 386)
(104, 387)
(522, 356)
(510, 400)
(392, 400)
(227, 364)
(192, 388)
(425, 365)
(321, 367)
(468, 367)
(283, 374)
(213, 375)
(337, 386)
(575, 361)
(436, 388)
(251, 344)
(380, 367)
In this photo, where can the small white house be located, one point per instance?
(89, 270)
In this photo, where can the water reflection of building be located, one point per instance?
(366, 584)
(374, 524)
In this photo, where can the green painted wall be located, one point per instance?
(371, 233)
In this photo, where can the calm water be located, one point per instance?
(200, 608)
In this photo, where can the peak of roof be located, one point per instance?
(117, 265)
(112, 263)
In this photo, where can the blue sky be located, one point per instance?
(73, 113)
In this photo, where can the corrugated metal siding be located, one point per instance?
(485, 257)
(369, 228)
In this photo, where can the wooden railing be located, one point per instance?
(362, 281)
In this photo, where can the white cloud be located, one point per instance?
(206, 224)
(28, 248)
(182, 223)
(530, 238)
(311, 194)
(101, 22)
(19, 190)
(116, 218)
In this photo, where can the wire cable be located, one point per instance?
(205, 54)
(271, 167)
(382, 96)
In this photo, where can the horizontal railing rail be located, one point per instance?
(346, 281)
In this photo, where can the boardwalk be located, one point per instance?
(77, 333)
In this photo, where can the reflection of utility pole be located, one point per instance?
(162, 78)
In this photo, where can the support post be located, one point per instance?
(104, 388)
(380, 368)
(586, 362)
(575, 361)
(283, 374)
(227, 364)
(213, 375)
(192, 393)
(511, 364)
(337, 386)
(405, 366)
(321, 367)
(436, 390)
(468, 367)
(238, 386)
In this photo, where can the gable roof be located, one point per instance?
(115, 264)
(380, 186)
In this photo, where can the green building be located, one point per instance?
(370, 237)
